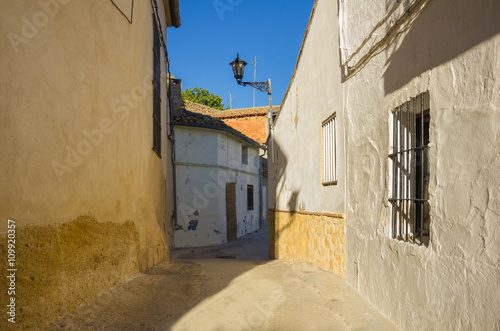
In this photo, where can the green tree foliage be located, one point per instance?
(203, 97)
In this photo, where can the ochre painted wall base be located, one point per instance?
(62, 266)
(315, 237)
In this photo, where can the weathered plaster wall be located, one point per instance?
(295, 164)
(450, 49)
(61, 266)
(76, 132)
(314, 94)
(206, 160)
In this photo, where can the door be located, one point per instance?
(231, 224)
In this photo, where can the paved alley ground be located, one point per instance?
(230, 287)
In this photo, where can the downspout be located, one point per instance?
(261, 220)
(174, 175)
(171, 138)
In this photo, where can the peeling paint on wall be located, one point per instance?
(193, 224)
(65, 265)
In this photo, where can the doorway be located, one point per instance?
(231, 223)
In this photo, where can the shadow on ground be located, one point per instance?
(156, 299)
(230, 287)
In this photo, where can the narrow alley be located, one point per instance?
(230, 287)
(154, 179)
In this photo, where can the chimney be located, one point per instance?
(175, 98)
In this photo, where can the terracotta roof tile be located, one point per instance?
(198, 108)
(229, 113)
(244, 112)
(195, 119)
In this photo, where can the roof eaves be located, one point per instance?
(245, 112)
(218, 128)
(172, 13)
(240, 115)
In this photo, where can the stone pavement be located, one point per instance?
(229, 287)
(274, 295)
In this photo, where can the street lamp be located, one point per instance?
(238, 70)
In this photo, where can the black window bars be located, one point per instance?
(409, 168)
(249, 197)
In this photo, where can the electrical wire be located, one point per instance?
(370, 35)
(124, 15)
(416, 7)
(156, 19)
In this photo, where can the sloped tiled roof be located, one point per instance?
(229, 113)
(244, 112)
(195, 119)
(198, 108)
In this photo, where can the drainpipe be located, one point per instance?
(261, 220)
(174, 175)
(175, 107)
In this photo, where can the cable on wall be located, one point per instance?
(156, 19)
(124, 15)
(414, 10)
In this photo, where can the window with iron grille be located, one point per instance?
(329, 156)
(156, 90)
(409, 170)
(249, 197)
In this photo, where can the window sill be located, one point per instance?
(403, 248)
(329, 183)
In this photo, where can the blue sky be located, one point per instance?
(213, 31)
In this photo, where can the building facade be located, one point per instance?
(218, 181)
(85, 167)
(415, 127)
(249, 121)
(306, 171)
(423, 158)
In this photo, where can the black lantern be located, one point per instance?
(238, 68)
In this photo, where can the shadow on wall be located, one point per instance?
(278, 187)
(277, 176)
(444, 30)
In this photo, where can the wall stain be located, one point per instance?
(193, 224)
(65, 265)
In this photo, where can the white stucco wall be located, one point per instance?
(314, 94)
(451, 49)
(206, 160)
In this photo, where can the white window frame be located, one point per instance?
(244, 154)
(329, 150)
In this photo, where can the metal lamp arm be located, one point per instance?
(261, 86)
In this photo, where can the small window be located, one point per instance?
(329, 156)
(409, 170)
(156, 91)
(249, 197)
(244, 154)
